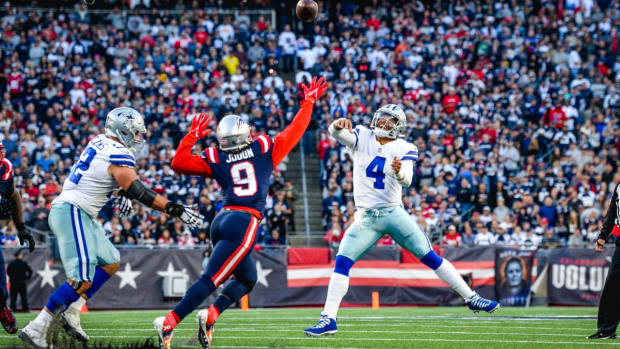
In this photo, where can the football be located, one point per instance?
(307, 10)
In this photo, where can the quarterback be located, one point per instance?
(382, 166)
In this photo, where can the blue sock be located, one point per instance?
(62, 298)
(100, 278)
(432, 260)
(196, 294)
(231, 293)
(343, 265)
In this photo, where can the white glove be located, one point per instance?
(124, 206)
(186, 214)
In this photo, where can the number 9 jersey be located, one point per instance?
(374, 183)
(245, 175)
(89, 184)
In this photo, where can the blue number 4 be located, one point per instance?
(82, 165)
(375, 170)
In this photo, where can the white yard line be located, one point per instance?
(279, 329)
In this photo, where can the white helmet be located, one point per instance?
(233, 133)
(126, 124)
(390, 112)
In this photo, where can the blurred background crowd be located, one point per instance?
(513, 106)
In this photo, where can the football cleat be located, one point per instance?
(35, 336)
(8, 320)
(70, 321)
(206, 324)
(165, 336)
(477, 303)
(325, 326)
(600, 335)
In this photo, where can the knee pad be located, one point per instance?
(432, 260)
(343, 265)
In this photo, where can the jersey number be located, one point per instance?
(82, 165)
(375, 170)
(244, 179)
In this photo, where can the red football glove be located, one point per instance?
(315, 91)
(199, 125)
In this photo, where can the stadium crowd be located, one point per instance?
(512, 105)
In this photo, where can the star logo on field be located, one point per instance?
(262, 274)
(128, 277)
(47, 275)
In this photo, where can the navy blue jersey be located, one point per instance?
(243, 176)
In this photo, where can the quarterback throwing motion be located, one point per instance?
(382, 166)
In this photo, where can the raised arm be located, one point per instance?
(290, 136)
(342, 130)
(183, 161)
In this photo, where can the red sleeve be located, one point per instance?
(185, 163)
(290, 136)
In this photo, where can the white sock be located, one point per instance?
(77, 305)
(338, 287)
(449, 275)
(43, 319)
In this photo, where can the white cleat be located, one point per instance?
(165, 337)
(70, 321)
(35, 336)
(205, 331)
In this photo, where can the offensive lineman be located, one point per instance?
(243, 168)
(382, 166)
(88, 257)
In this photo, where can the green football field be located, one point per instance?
(453, 327)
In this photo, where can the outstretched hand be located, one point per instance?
(199, 125)
(316, 89)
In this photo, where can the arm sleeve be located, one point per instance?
(185, 163)
(290, 136)
(611, 216)
(344, 136)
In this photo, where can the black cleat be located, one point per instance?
(8, 320)
(599, 335)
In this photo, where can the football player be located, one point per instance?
(382, 166)
(88, 257)
(10, 208)
(242, 166)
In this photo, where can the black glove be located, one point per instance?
(185, 214)
(24, 235)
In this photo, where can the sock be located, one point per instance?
(196, 294)
(62, 298)
(77, 305)
(338, 287)
(231, 294)
(100, 278)
(171, 321)
(214, 313)
(43, 319)
(449, 275)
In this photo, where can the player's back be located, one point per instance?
(89, 184)
(245, 175)
(374, 183)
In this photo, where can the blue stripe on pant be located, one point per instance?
(80, 243)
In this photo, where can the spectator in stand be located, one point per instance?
(483, 236)
(452, 238)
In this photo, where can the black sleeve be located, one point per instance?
(611, 216)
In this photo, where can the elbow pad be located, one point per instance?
(138, 191)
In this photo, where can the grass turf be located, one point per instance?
(538, 327)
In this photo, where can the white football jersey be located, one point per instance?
(374, 183)
(89, 184)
